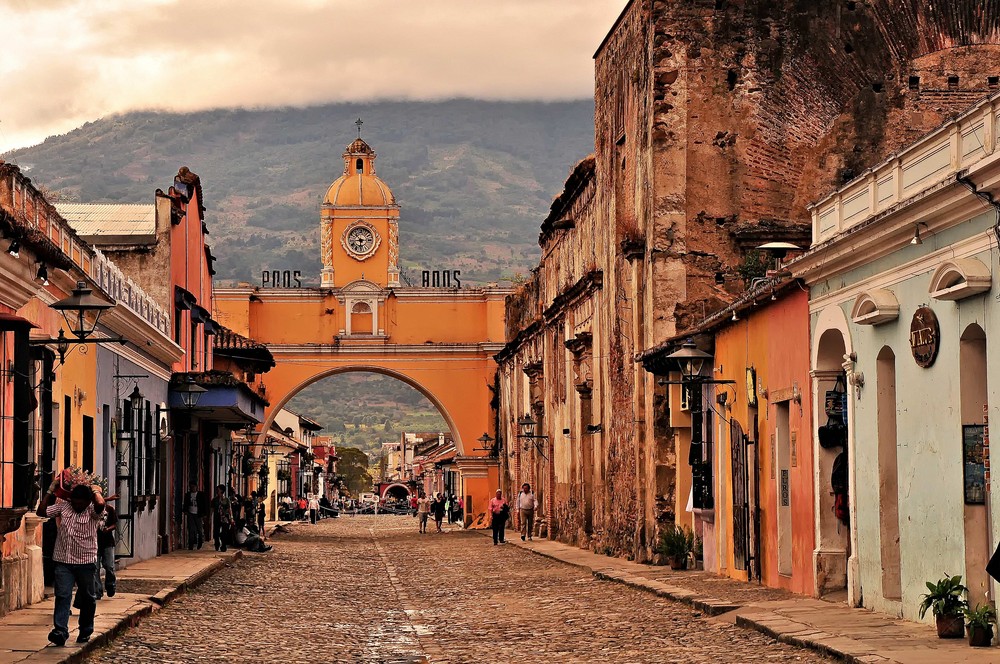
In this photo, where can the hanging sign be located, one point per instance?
(925, 337)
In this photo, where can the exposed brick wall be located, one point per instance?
(713, 116)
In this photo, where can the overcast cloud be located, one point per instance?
(65, 62)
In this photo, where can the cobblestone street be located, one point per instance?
(371, 589)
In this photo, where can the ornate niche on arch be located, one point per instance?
(362, 301)
(581, 346)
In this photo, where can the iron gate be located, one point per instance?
(742, 554)
(124, 441)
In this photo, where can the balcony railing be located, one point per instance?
(935, 158)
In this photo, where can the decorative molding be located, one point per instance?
(960, 278)
(874, 307)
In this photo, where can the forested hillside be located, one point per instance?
(474, 178)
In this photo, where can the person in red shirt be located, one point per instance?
(499, 511)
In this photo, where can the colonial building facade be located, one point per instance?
(716, 124)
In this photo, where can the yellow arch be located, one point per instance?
(368, 368)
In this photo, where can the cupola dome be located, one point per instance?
(359, 186)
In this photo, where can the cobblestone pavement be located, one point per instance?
(370, 589)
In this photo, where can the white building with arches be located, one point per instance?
(903, 308)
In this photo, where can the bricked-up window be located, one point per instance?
(914, 83)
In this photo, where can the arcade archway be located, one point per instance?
(441, 341)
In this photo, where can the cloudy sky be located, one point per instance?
(65, 62)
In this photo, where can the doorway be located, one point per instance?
(784, 488)
(888, 477)
(974, 390)
(833, 535)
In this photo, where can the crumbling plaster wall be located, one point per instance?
(713, 115)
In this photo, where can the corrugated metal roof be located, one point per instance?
(106, 220)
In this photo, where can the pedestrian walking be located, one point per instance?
(300, 513)
(261, 512)
(75, 556)
(437, 507)
(413, 503)
(313, 509)
(195, 510)
(423, 509)
(106, 541)
(499, 511)
(222, 522)
(526, 506)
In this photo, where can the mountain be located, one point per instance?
(364, 410)
(474, 178)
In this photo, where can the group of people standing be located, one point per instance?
(439, 505)
(499, 512)
(235, 520)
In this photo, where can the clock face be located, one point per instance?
(361, 240)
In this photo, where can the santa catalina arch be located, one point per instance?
(440, 340)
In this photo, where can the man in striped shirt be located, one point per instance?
(75, 556)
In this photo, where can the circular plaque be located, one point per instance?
(925, 337)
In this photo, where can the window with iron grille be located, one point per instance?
(17, 459)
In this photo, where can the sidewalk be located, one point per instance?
(854, 635)
(142, 588)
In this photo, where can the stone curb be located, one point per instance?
(708, 605)
(814, 639)
(157, 601)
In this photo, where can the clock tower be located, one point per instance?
(359, 224)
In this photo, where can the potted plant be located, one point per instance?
(699, 553)
(676, 542)
(945, 600)
(980, 622)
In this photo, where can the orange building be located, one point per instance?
(440, 340)
(749, 493)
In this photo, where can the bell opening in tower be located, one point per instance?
(359, 166)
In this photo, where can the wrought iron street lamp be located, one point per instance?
(526, 425)
(488, 443)
(190, 393)
(76, 307)
(689, 359)
(135, 399)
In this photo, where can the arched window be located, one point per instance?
(362, 318)
(359, 166)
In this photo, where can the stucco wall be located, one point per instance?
(932, 513)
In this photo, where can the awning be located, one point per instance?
(200, 314)
(15, 322)
(183, 299)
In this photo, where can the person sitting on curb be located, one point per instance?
(75, 556)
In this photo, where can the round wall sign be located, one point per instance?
(925, 337)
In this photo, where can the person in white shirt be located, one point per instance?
(313, 508)
(526, 505)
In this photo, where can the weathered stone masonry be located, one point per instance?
(716, 122)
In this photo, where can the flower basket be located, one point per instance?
(74, 476)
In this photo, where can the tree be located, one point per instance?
(353, 466)
(387, 426)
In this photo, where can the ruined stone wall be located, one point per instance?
(716, 123)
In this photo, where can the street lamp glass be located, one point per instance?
(76, 307)
(689, 359)
(526, 425)
(135, 399)
(190, 393)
